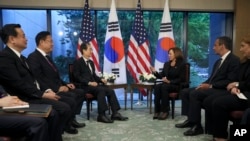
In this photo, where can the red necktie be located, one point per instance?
(49, 60)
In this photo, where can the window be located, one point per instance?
(194, 32)
(32, 22)
(203, 29)
(65, 26)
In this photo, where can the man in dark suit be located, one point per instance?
(225, 70)
(84, 73)
(47, 74)
(246, 117)
(218, 108)
(17, 79)
(32, 128)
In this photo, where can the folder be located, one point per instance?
(36, 110)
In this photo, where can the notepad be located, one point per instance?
(16, 107)
(242, 96)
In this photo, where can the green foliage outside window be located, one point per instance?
(198, 34)
(198, 45)
(198, 38)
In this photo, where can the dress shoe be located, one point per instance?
(104, 119)
(156, 116)
(118, 116)
(76, 124)
(71, 130)
(163, 116)
(195, 130)
(185, 124)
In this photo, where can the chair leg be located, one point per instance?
(173, 107)
(89, 103)
(109, 110)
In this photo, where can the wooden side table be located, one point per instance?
(148, 86)
(118, 86)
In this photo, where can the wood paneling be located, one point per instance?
(186, 5)
(242, 22)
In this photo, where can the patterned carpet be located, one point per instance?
(139, 127)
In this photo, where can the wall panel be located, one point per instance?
(186, 5)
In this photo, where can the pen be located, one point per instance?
(3, 95)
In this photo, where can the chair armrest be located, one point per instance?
(184, 85)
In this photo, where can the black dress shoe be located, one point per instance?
(104, 119)
(156, 116)
(71, 130)
(195, 130)
(118, 116)
(163, 116)
(185, 124)
(76, 124)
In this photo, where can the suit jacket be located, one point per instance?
(44, 72)
(82, 74)
(16, 78)
(175, 77)
(244, 79)
(227, 73)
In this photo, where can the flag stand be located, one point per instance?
(140, 100)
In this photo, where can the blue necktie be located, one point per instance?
(216, 69)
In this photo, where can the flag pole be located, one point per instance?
(140, 96)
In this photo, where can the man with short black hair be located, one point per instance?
(17, 78)
(225, 70)
(84, 73)
(48, 76)
(18, 126)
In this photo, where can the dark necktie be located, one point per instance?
(23, 59)
(49, 60)
(216, 69)
(88, 64)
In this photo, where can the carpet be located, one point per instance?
(139, 127)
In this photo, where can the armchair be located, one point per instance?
(175, 95)
(88, 97)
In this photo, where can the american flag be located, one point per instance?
(87, 35)
(138, 60)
